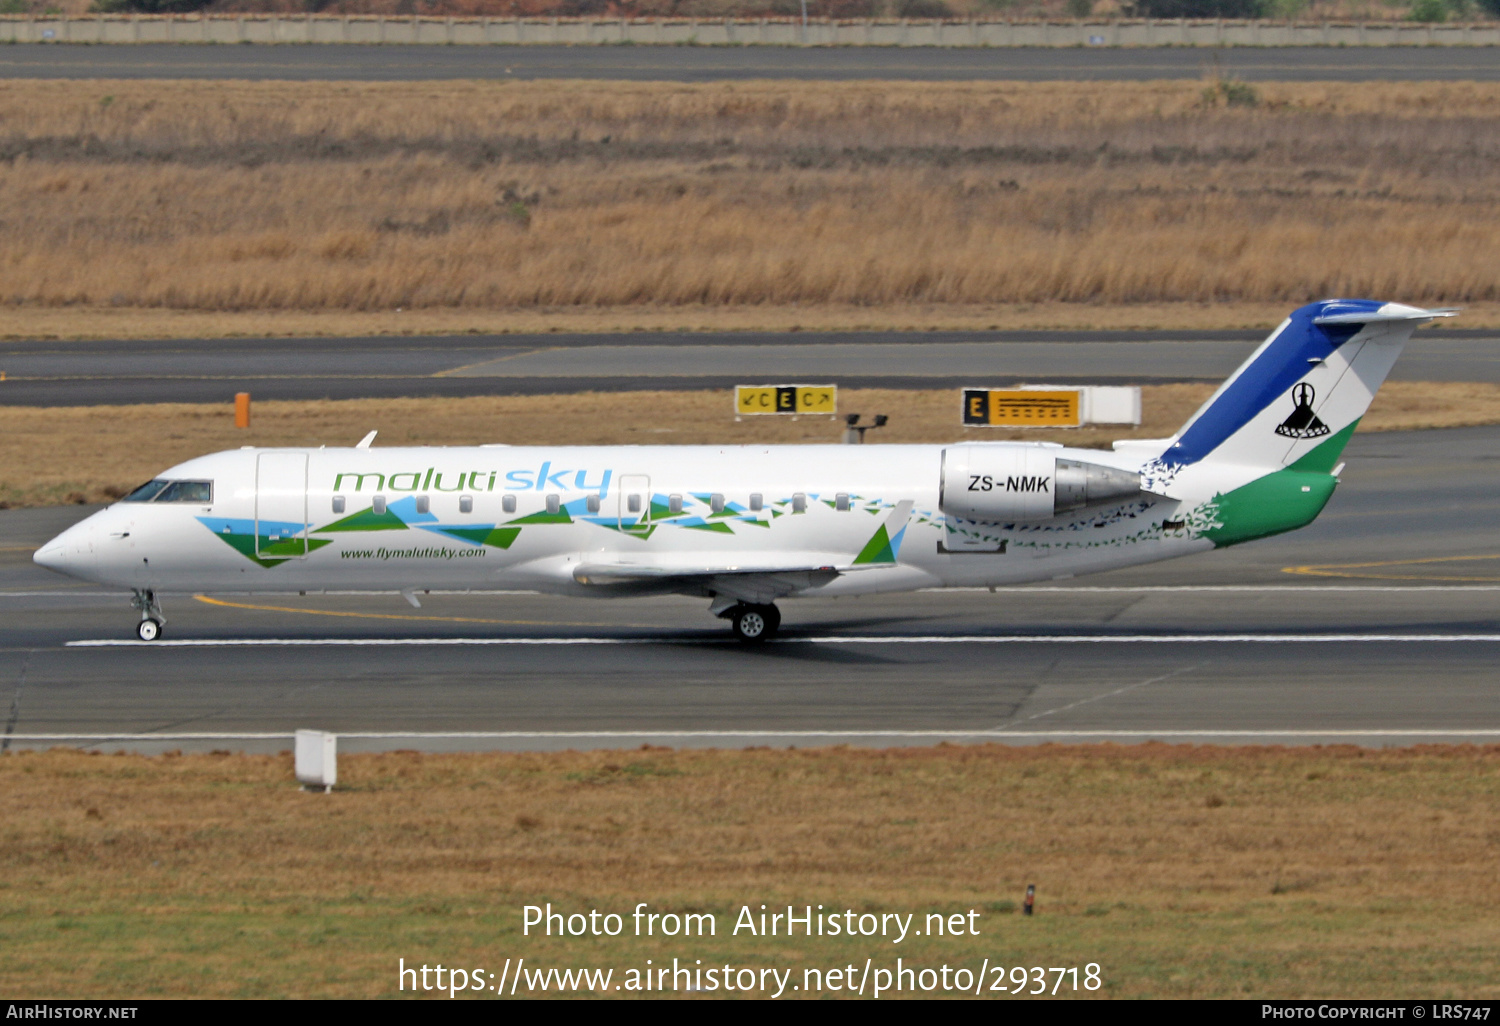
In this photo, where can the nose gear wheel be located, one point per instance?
(152, 620)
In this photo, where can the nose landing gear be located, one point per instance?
(152, 620)
(752, 623)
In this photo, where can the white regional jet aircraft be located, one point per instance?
(743, 526)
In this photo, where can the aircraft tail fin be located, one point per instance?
(1297, 399)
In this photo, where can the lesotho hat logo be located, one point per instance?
(1303, 423)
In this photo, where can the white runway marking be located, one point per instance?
(920, 639)
(999, 589)
(1150, 588)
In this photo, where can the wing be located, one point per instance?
(755, 577)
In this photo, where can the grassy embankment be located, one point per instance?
(1188, 872)
(92, 453)
(220, 208)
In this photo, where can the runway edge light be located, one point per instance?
(317, 759)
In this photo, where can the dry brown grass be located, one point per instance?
(80, 322)
(1186, 872)
(108, 449)
(538, 196)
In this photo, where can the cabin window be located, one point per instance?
(508, 503)
(799, 503)
(338, 504)
(674, 503)
(377, 505)
(554, 503)
(716, 502)
(756, 501)
(841, 502)
(466, 503)
(633, 504)
(161, 490)
(593, 503)
(424, 504)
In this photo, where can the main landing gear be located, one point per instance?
(152, 620)
(753, 623)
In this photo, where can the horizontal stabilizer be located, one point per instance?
(1389, 313)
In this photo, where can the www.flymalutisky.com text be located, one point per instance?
(873, 978)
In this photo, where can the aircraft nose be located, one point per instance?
(71, 552)
(52, 556)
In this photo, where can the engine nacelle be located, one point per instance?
(997, 483)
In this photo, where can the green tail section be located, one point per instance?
(1280, 501)
(1325, 457)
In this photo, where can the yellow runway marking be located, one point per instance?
(451, 371)
(1372, 571)
(395, 616)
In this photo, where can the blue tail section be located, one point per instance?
(1310, 335)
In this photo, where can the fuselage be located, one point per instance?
(528, 518)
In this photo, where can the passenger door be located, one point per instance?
(281, 505)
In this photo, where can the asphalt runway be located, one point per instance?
(88, 373)
(1390, 629)
(711, 64)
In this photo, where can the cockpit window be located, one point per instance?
(187, 491)
(201, 492)
(146, 492)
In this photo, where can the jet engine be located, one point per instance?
(996, 483)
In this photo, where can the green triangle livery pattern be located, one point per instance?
(660, 511)
(495, 537)
(718, 527)
(560, 517)
(366, 520)
(274, 554)
(1326, 456)
(877, 549)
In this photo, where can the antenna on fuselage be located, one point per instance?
(364, 443)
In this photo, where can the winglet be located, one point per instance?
(885, 544)
(364, 443)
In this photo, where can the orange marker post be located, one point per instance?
(242, 409)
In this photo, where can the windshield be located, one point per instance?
(161, 490)
(146, 492)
